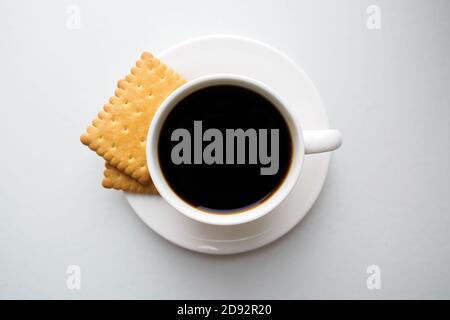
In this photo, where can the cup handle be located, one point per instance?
(317, 141)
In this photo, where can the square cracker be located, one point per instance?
(119, 132)
(113, 178)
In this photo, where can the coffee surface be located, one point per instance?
(209, 170)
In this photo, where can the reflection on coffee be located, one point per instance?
(224, 149)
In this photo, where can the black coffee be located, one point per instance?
(224, 148)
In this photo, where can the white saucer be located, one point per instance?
(231, 54)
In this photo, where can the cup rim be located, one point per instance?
(241, 216)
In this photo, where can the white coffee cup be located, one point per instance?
(304, 142)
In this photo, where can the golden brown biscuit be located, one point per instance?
(116, 179)
(119, 132)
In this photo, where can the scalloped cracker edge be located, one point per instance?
(115, 179)
(119, 132)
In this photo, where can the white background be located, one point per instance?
(386, 200)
